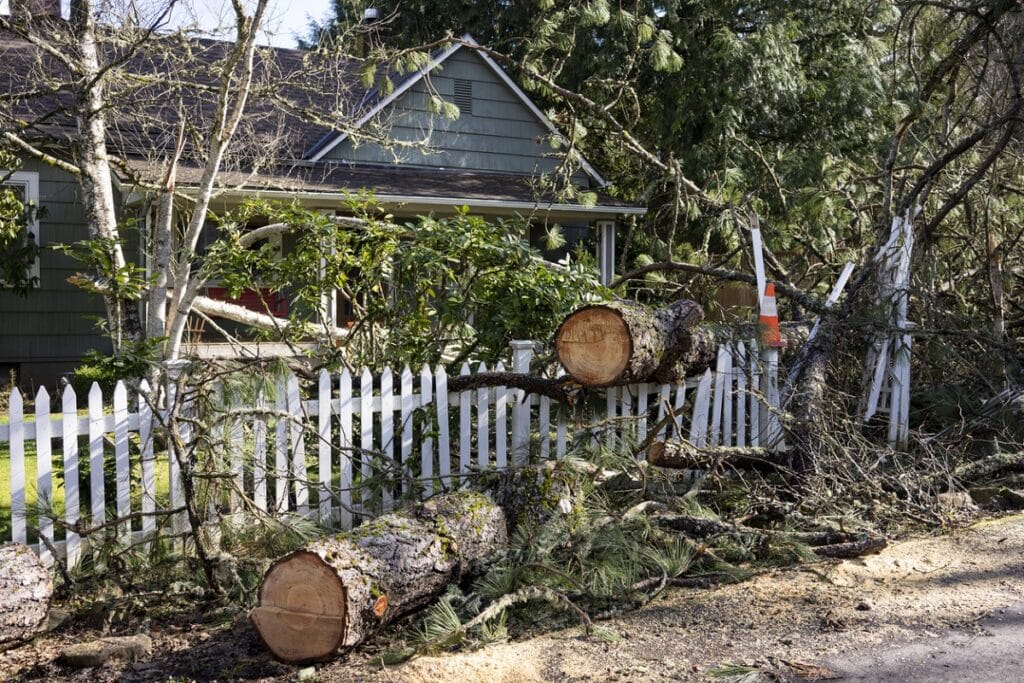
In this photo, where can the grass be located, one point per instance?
(32, 504)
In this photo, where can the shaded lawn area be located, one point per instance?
(161, 479)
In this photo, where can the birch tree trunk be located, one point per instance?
(94, 162)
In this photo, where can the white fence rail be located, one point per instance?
(349, 448)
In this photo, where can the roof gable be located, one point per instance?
(505, 131)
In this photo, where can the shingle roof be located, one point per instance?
(296, 95)
(387, 182)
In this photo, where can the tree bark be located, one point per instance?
(619, 342)
(680, 454)
(336, 592)
(25, 592)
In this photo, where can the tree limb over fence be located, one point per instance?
(801, 297)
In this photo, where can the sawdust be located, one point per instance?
(788, 621)
(782, 620)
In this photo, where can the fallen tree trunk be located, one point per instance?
(25, 592)
(336, 592)
(618, 342)
(681, 454)
(833, 544)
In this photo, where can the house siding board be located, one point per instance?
(55, 324)
(501, 135)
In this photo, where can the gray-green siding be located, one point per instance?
(46, 332)
(500, 135)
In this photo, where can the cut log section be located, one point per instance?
(618, 342)
(25, 592)
(336, 592)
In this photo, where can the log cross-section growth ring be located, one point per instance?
(336, 592)
(618, 342)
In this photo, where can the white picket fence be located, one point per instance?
(347, 450)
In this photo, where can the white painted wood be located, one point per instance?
(699, 424)
(678, 406)
(465, 422)
(366, 438)
(773, 424)
(220, 448)
(544, 427)
(755, 396)
(300, 479)
(714, 438)
(899, 399)
(444, 444)
(259, 451)
(69, 449)
(177, 495)
(626, 426)
(122, 464)
(96, 493)
(641, 410)
(405, 462)
(878, 380)
(833, 298)
(740, 371)
(235, 446)
(501, 397)
(611, 404)
(727, 397)
(44, 474)
(147, 459)
(758, 250)
(483, 427)
(522, 355)
(426, 441)
(606, 250)
(663, 400)
(281, 447)
(345, 439)
(16, 418)
(323, 448)
(387, 437)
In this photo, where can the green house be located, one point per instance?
(496, 158)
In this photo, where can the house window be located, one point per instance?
(464, 96)
(26, 187)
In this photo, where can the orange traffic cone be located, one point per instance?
(770, 334)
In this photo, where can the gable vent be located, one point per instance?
(464, 95)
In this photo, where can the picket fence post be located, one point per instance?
(44, 476)
(522, 354)
(175, 370)
(16, 414)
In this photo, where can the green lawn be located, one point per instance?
(161, 481)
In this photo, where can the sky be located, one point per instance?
(286, 19)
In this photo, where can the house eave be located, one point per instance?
(412, 201)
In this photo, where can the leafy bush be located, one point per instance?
(132, 363)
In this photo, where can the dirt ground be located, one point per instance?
(930, 598)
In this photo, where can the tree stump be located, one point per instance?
(336, 592)
(619, 342)
(25, 592)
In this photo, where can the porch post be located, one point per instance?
(606, 250)
(328, 300)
